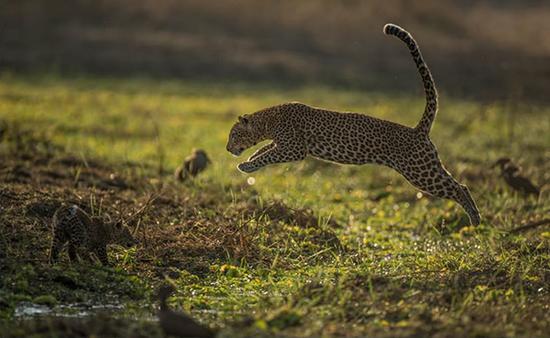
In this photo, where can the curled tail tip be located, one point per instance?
(391, 29)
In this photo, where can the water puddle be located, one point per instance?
(77, 310)
(28, 309)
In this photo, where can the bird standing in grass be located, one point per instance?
(192, 165)
(511, 174)
(178, 324)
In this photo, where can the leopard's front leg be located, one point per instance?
(262, 150)
(101, 252)
(279, 153)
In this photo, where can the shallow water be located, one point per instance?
(77, 310)
(28, 309)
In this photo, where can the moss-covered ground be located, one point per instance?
(302, 250)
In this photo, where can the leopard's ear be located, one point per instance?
(243, 119)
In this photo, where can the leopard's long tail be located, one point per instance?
(425, 123)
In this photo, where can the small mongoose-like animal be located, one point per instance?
(192, 165)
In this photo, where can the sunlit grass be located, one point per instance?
(406, 256)
(118, 120)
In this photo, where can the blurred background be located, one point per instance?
(486, 50)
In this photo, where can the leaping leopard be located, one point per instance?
(298, 130)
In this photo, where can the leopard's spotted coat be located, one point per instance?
(299, 130)
(89, 235)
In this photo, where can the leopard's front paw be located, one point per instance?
(247, 167)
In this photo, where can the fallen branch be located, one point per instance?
(529, 226)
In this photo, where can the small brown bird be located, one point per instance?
(506, 164)
(178, 324)
(192, 165)
(511, 174)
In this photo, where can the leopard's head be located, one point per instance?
(123, 236)
(247, 132)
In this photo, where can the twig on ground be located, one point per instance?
(529, 226)
(142, 210)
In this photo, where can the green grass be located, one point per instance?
(396, 263)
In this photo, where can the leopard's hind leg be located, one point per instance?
(423, 169)
(449, 188)
(438, 182)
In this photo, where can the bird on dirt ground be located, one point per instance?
(178, 324)
(192, 165)
(511, 174)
